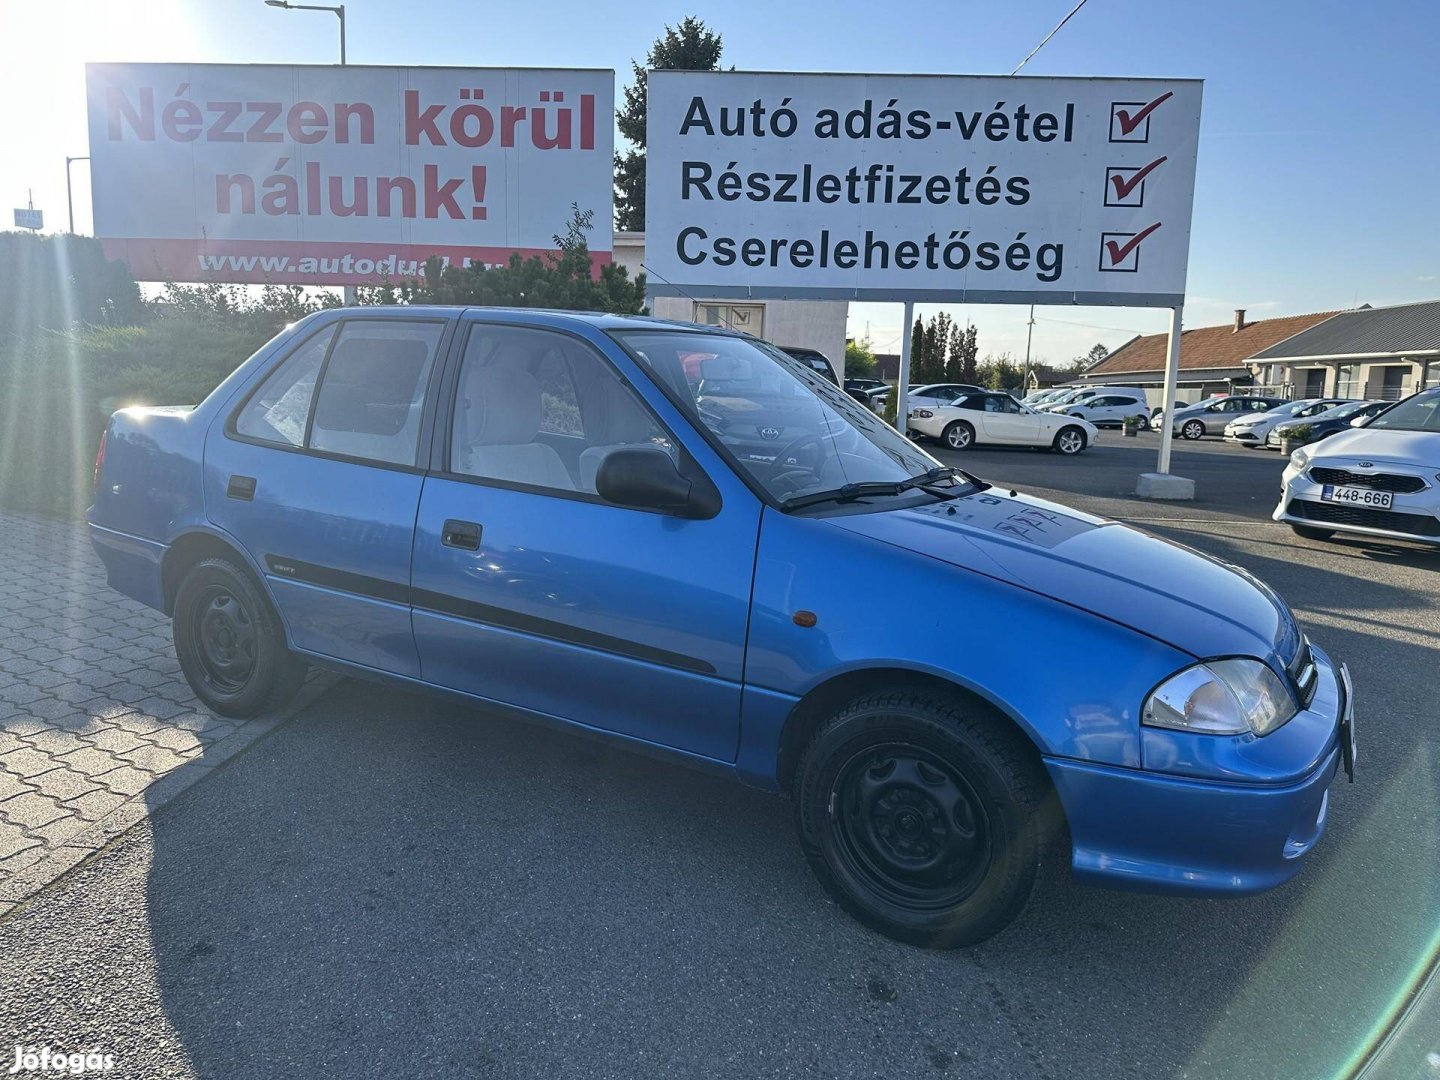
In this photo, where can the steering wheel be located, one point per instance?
(794, 475)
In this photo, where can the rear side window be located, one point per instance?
(279, 412)
(372, 391)
(372, 376)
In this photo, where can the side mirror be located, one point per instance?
(648, 479)
(1360, 421)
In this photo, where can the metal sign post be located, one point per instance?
(902, 385)
(1161, 484)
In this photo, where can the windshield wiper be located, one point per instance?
(851, 492)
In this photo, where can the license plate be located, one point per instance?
(1347, 725)
(1357, 496)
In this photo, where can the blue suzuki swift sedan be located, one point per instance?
(686, 541)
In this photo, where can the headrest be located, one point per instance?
(502, 402)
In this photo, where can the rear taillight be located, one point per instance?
(100, 459)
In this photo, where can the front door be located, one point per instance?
(1006, 421)
(531, 590)
(316, 475)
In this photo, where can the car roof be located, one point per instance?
(602, 320)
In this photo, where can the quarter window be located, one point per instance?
(280, 410)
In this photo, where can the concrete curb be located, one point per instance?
(101, 834)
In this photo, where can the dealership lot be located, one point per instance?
(386, 882)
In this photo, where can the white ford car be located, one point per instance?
(984, 417)
(1382, 480)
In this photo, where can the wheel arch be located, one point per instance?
(193, 547)
(826, 698)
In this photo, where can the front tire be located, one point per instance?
(1309, 532)
(958, 435)
(230, 643)
(1192, 429)
(926, 818)
(1069, 441)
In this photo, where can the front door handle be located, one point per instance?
(461, 534)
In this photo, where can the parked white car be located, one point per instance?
(988, 417)
(1252, 429)
(1381, 480)
(1110, 406)
(921, 394)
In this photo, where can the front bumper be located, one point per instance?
(1413, 517)
(1149, 831)
(1244, 436)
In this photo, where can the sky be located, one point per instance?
(1319, 161)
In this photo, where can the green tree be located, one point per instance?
(62, 282)
(964, 354)
(859, 358)
(999, 373)
(563, 279)
(1097, 353)
(691, 46)
(917, 345)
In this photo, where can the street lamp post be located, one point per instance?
(339, 10)
(69, 199)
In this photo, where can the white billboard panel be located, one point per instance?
(342, 175)
(886, 187)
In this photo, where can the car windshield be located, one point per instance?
(1418, 413)
(794, 433)
(1343, 412)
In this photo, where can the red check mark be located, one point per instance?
(1129, 123)
(1124, 187)
(1120, 252)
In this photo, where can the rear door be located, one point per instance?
(532, 590)
(316, 474)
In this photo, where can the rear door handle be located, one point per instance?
(461, 534)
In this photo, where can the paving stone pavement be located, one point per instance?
(94, 713)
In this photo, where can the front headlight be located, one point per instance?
(1221, 697)
(1299, 458)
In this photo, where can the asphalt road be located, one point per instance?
(391, 886)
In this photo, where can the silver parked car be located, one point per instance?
(1210, 416)
(1379, 480)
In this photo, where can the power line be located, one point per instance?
(1048, 36)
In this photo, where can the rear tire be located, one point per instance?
(958, 435)
(230, 642)
(925, 817)
(1309, 532)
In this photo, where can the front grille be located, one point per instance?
(1364, 517)
(1302, 672)
(1404, 485)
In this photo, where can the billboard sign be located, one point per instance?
(935, 188)
(342, 175)
(29, 218)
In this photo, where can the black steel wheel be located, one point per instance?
(230, 643)
(925, 817)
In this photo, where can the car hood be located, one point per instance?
(1161, 589)
(1401, 447)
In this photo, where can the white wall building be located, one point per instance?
(811, 324)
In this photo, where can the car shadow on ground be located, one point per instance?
(390, 884)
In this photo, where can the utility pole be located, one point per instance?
(69, 198)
